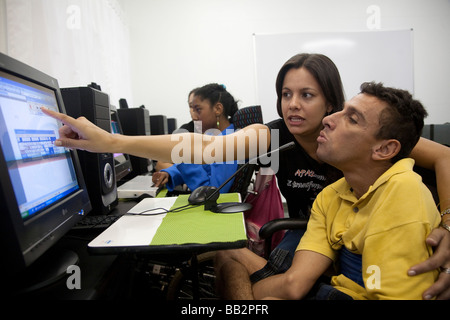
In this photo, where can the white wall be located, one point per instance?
(74, 41)
(177, 45)
(2, 26)
(381, 56)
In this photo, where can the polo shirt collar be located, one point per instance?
(345, 192)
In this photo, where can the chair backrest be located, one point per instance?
(247, 116)
(429, 179)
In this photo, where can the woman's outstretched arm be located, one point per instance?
(176, 148)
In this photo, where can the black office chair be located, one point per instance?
(268, 230)
(247, 116)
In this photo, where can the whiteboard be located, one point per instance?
(381, 56)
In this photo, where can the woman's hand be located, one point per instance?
(80, 133)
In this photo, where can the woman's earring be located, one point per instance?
(218, 122)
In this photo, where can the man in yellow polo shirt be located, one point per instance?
(372, 224)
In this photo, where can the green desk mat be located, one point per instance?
(204, 226)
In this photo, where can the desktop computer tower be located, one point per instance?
(98, 168)
(136, 122)
(158, 125)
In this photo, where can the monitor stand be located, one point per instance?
(47, 270)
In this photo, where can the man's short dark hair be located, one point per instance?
(402, 120)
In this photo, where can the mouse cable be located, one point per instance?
(144, 213)
(164, 210)
(182, 208)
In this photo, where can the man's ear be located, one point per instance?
(386, 150)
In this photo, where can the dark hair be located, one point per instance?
(403, 119)
(192, 92)
(216, 93)
(323, 70)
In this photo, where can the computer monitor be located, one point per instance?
(122, 162)
(136, 122)
(171, 125)
(42, 190)
(158, 125)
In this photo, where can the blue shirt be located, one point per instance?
(196, 175)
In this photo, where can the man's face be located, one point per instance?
(348, 138)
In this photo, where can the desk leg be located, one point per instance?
(195, 282)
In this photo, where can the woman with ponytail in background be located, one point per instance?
(214, 106)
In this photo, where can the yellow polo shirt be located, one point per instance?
(387, 226)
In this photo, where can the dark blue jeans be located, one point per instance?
(280, 260)
(328, 292)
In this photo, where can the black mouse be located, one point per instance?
(199, 195)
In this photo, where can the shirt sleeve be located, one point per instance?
(196, 175)
(175, 177)
(388, 256)
(215, 174)
(395, 241)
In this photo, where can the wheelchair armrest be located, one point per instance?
(268, 229)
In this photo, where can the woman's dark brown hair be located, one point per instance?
(323, 70)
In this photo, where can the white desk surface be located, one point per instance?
(134, 230)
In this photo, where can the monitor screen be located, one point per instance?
(41, 174)
(42, 190)
(122, 162)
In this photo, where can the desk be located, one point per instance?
(174, 234)
(107, 274)
(190, 231)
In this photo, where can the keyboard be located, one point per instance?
(138, 186)
(96, 222)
